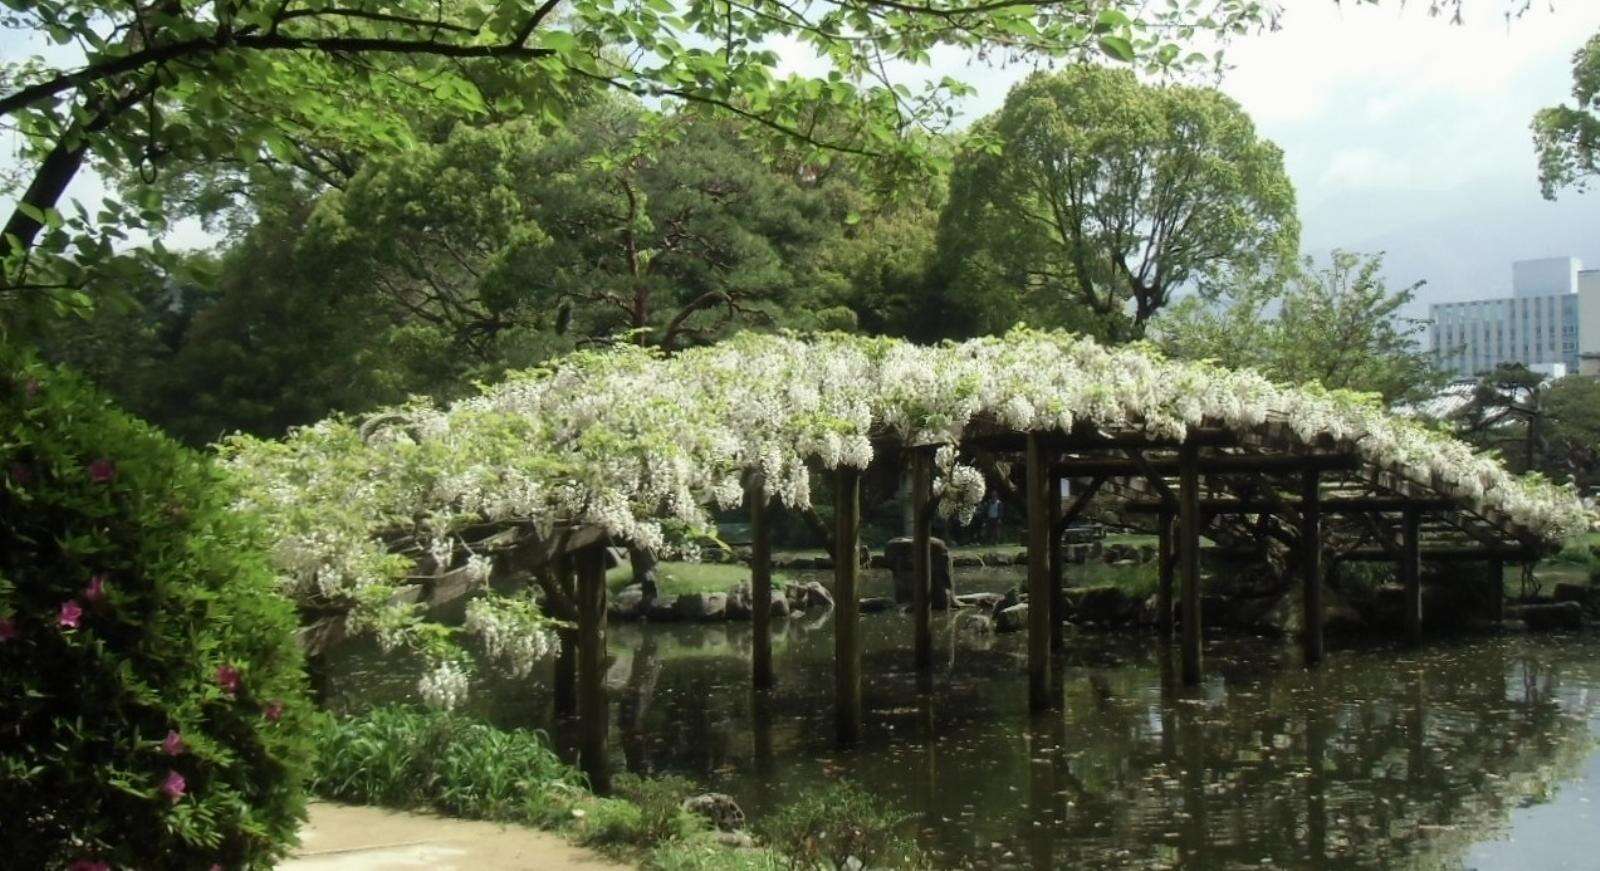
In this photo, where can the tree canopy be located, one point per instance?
(1567, 137)
(1091, 197)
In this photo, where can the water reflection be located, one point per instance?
(1382, 757)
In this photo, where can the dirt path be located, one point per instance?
(351, 838)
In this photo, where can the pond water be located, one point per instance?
(1467, 753)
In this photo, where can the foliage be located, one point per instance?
(829, 826)
(1567, 138)
(149, 85)
(703, 852)
(400, 757)
(644, 446)
(1090, 192)
(1503, 414)
(1571, 430)
(1339, 326)
(149, 678)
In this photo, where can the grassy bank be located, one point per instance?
(455, 765)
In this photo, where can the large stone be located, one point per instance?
(875, 604)
(807, 595)
(628, 603)
(984, 601)
(967, 561)
(719, 808)
(1556, 615)
(898, 554)
(1012, 619)
(702, 607)
(1103, 605)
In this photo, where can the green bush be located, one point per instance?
(402, 757)
(828, 826)
(704, 852)
(151, 693)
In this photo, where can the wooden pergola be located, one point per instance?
(1321, 500)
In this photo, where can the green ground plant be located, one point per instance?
(830, 826)
(151, 690)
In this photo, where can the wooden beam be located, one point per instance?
(1085, 440)
(1217, 464)
(760, 585)
(1311, 566)
(1166, 556)
(1328, 505)
(593, 713)
(922, 559)
(1079, 505)
(1411, 573)
(847, 604)
(1434, 554)
(565, 683)
(1497, 590)
(1058, 610)
(1189, 559)
(1039, 478)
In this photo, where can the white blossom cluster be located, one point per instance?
(445, 686)
(512, 632)
(644, 445)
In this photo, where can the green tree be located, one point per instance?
(1567, 137)
(1338, 325)
(1572, 430)
(1096, 196)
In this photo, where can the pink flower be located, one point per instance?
(31, 388)
(173, 745)
(21, 474)
(228, 679)
(89, 865)
(274, 711)
(96, 589)
(8, 629)
(71, 614)
(102, 470)
(174, 785)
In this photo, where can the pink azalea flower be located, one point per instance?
(173, 745)
(174, 786)
(228, 678)
(102, 470)
(96, 590)
(31, 387)
(21, 474)
(274, 711)
(71, 614)
(8, 629)
(89, 865)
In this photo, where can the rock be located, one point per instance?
(1012, 619)
(1103, 604)
(1020, 558)
(1567, 591)
(661, 611)
(879, 561)
(628, 603)
(986, 601)
(898, 554)
(740, 603)
(702, 607)
(780, 604)
(1012, 597)
(735, 840)
(1556, 615)
(1147, 553)
(967, 561)
(875, 604)
(974, 623)
(719, 808)
(807, 595)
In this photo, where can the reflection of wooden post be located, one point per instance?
(847, 603)
(1411, 572)
(1164, 566)
(760, 586)
(1058, 608)
(922, 559)
(565, 683)
(1497, 591)
(1038, 576)
(592, 710)
(1189, 557)
(1311, 564)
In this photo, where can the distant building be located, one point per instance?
(1554, 302)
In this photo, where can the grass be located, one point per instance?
(676, 578)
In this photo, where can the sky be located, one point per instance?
(1406, 134)
(1402, 133)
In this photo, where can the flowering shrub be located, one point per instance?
(151, 701)
(644, 446)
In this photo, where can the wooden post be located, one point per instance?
(760, 585)
(922, 559)
(593, 712)
(1189, 557)
(1411, 572)
(565, 683)
(847, 604)
(1311, 564)
(1165, 566)
(1039, 476)
(1058, 607)
(1497, 591)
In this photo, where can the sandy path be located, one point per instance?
(351, 838)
